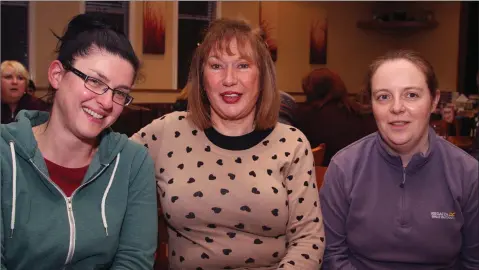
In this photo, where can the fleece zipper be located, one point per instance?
(69, 207)
(402, 218)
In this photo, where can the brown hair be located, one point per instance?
(218, 37)
(323, 85)
(412, 56)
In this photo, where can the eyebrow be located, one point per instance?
(404, 89)
(104, 77)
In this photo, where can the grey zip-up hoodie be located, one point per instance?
(379, 215)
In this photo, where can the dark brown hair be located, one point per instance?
(323, 85)
(412, 56)
(218, 37)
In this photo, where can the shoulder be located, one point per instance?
(457, 158)
(167, 120)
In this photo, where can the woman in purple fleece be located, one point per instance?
(401, 198)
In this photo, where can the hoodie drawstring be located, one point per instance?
(103, 215)
(14, 188)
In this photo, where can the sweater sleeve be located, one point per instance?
(305, 232)
(470, 232)
(138, 238)
(335, 208)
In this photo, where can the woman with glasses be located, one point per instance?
(75, 194)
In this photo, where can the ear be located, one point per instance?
(55, 73)
(435, 100)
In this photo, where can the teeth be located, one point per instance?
(399, 123)
(93, 114)
(232, 95)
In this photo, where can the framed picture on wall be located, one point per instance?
(153, 27)
(318, 42)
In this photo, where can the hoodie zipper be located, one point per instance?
(402, 220)
(69, 205)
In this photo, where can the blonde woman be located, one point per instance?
(15, 78)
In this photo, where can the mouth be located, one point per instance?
(399, 123)
(93, 114)
(231, 97)
(230, 94)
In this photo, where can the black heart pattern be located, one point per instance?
(245, 208)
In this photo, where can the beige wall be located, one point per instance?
(349, 51)
(46, 16)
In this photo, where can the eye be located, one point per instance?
(412, 95)
(382, 97)
(121, 93)
(215, 66)
(243, 65)
(95, 82)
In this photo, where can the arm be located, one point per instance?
(470, 233)
(138, 238)
(305, 231)
(335, 209)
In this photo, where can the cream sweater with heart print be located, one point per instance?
(256, 208)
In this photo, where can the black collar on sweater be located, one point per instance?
(239, 142)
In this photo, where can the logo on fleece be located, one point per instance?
(443, 215)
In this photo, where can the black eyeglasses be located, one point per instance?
(120, 96)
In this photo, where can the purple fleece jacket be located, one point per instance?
(379, 215)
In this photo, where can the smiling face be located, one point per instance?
(231, 82)
(14, 85)
(402, 105)
(81, 111)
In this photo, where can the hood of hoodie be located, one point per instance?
(20, 133)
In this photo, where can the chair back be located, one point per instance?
(318, 154)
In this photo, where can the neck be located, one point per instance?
(62, 147)
(13, 107)
(421, 147)
(233, 127)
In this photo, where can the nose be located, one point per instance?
(106, 100)
(397, 106)
(230, 78)
(15, 80)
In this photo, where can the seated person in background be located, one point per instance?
(15, 80)
(287, 109)
(237, 188)
(31, 87)
(75, 194)
(402, 198)
(328, 115)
